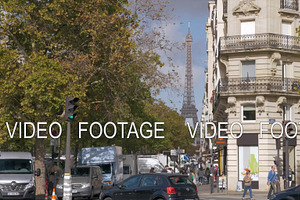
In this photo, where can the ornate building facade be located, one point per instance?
(252, 77)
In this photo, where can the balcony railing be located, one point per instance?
(289, 4)
(261, 84)
(260, 41)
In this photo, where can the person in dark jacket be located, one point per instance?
(207, 174)
(165, 170)
(152, 170)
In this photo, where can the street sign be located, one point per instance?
(53, 142)
(221, 142)
(271, 121)
(173, 152)
(181, 151)
(174, 158)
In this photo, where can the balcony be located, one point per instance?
(263, 41)
(260, 85)
(289, 4)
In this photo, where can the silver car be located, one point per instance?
(87, 182)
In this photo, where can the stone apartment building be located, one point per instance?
(253, 76)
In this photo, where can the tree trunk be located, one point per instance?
(40, 164)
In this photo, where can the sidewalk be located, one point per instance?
(204, 191)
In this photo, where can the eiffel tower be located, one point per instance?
(189, 110)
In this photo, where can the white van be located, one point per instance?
(17, 175)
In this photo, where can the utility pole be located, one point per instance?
(69, 116)
(287, 130)
(286, 163)
(277, 161)
(211, 167)
(67, 175)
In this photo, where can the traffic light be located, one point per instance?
(277, 160)
(278, 144)
(287, 129)
(70, 108)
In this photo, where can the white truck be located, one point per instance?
(109, 159)
(143, 164)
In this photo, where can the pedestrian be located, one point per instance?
(165, 170)
(207, 174)
(200, 175)
(272, 180)
(53, 172)
(247, 182)
(152, 170)
(215, 173)
(192, 176)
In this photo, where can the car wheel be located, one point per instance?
(108, 198)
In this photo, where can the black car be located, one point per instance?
(153, 186)
(290, 194)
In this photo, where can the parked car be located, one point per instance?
(157, 186)
(87, 181)
(290, 194)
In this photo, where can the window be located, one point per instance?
(287, 114)
(126, 170)
(286, 28)
(284, 81)
(80, 171)
(248, 70)
(132, 181)
(180, 180)
(289, 4)
(248, 27)
(149, 180)
(15, 166)
(248, 112)
(247, 30)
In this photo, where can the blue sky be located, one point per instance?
(196, 12)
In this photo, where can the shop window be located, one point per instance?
(248, 161)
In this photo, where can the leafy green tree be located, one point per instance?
(88, 49)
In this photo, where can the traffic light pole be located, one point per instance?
(286, 173)
(67, 176)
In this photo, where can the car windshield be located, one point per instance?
(16, 166)
(105, 168)
(80, 171)
(180, 180)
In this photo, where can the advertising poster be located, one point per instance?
(248, 161)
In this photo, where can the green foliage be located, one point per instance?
(93, 50)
